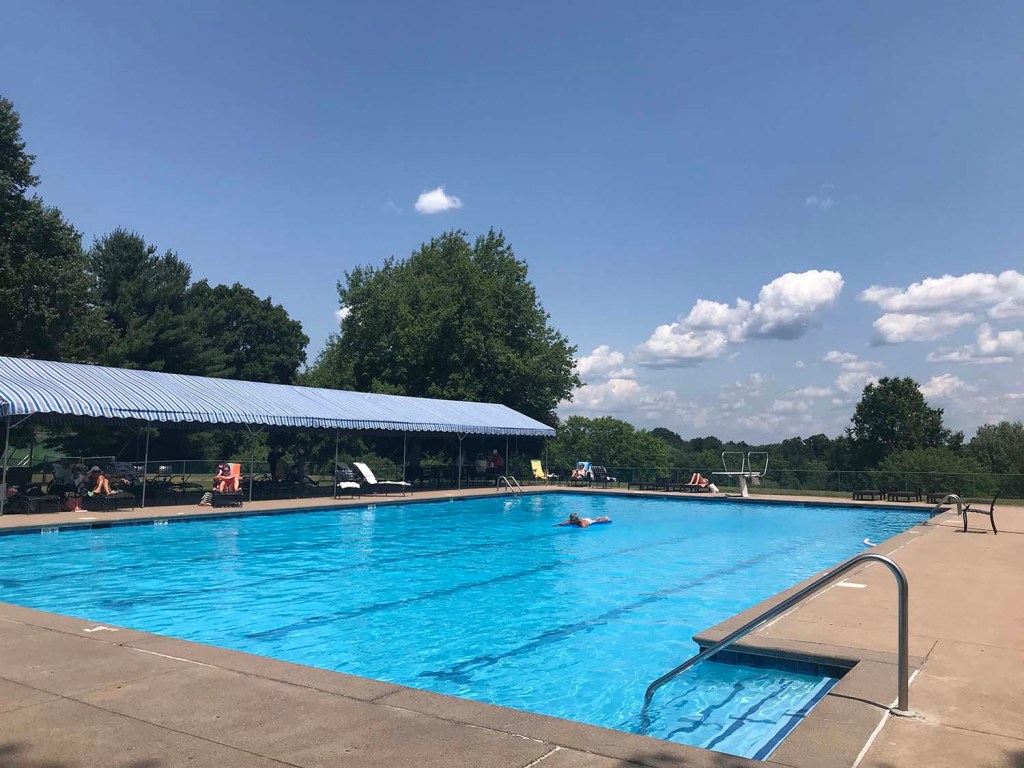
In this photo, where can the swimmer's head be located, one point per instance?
(574, 516)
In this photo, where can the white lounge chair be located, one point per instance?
(379, 486)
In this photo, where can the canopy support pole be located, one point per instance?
(252, 457)
(505, 465)
(7, 446)
(405, 443)
(461, 438)
(334, 472)
(145, 467)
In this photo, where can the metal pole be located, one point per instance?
(903, 629)
(508, 470)
(7, 446)
(459, 460)
(145, 467)
(405, 440)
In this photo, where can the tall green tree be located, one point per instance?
(1000, 448)
(143, 295)
(243, 336)
(455, 320)
(45, 308)
(891, 416)
(608, 441)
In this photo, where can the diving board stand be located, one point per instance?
(746, 469)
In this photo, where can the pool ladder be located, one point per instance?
(510, 482)
(903, 641)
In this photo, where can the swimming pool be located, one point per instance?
(477, 598)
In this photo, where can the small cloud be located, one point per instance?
(436, 201)
(786, 308)
(342, 312)
(821, 202)
(898, 327)
(800, 364)
(991, 348)
(603, 362)
(391, 204)
(945, 385)
(813, 392)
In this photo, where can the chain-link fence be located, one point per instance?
(843, 482)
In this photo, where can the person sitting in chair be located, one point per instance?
(96, 483)
(226, 479)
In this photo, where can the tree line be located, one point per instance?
(893, 434)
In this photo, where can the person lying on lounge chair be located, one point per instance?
(583, 522)
(700, 481)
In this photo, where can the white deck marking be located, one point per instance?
(88, 518)
(101, 628)
(851, 585)
(881, 724)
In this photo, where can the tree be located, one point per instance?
(44, 288)
(1000, 448)
(607, 441)
(893, 415)
(455, 320)
(936, 469)
(244, 336)
(143, 297)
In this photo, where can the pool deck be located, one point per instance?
(74, 693)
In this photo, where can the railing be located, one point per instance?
(903, 632)
(509, 482)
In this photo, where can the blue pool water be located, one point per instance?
(482, 598)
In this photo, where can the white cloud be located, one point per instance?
(855, 375)
(670, 345)
(342, 312)
(853, 382)
(603, 361)
(813, 392)
(822, 202)
(1003, 294)
(944, 386)
(896, 328)
(788, 405)
(786, 308)
(850, 362)
(990, 348)
(391, 204)
(436, 201)
(836, 356)
(800, 363)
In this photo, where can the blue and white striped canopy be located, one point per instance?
(30, 387)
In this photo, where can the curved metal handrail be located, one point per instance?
(510, 482)
(956, 499)
(903, 622)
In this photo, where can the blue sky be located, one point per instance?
(851, 173)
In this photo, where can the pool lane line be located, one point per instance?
(456, 588)
(461, 671)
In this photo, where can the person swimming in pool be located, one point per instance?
(583, 522)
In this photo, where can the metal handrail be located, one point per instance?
(903, 641)
(941, 506)
(510, 482)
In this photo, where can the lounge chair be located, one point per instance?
(869, 495)
(582, 474)
(539, 473)
(892, 494)
(345, 483)
(232, 497)
(699, 484)
(600, 476)
(371, 484)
